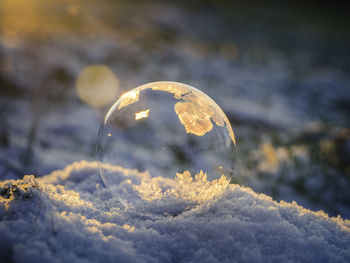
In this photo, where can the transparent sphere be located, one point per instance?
(165, 129)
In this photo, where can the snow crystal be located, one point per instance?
(69, 216)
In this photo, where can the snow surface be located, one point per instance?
(69, 216)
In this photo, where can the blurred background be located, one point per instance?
(280, 71)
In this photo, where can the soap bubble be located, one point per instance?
(165, 129)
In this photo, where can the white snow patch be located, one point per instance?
(68, 216)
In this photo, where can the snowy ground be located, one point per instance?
(67, 216)
(280, 73)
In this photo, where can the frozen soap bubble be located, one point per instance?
(166, 130)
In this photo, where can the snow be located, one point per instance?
(69, 216)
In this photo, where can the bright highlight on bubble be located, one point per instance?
(141, 114)
(166, 130)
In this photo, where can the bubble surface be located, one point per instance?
(168, 130)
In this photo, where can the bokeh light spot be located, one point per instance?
(97, 85)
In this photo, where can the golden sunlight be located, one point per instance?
(21, 16)
(97, 85)
(36, 17)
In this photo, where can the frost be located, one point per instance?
(67, 216)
